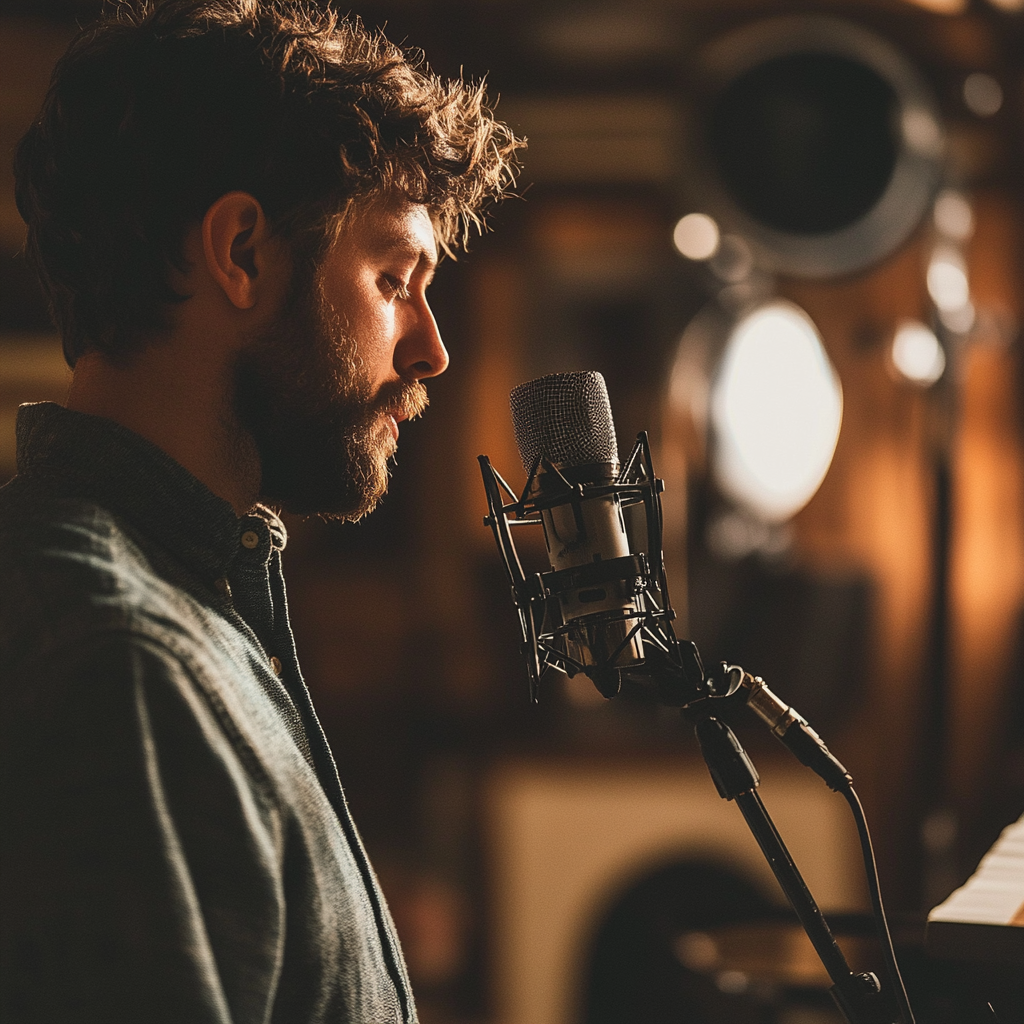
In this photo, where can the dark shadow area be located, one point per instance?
(634, 973)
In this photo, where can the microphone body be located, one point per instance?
(582, 533)
(566, 440)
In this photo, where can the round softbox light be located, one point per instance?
(816, 140)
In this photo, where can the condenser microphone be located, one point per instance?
(604, 608)
(566, 439)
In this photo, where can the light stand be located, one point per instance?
(675, 669)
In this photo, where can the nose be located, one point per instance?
(420, 352)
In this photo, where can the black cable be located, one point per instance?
(871, 871)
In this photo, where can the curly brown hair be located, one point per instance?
(160, 108)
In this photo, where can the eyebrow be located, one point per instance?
(425, 259)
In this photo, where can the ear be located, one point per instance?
(238, 248)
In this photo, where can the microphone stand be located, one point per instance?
(858, 996)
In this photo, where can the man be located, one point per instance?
(236, 208)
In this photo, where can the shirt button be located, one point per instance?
(250, 539)
(222, 587)
(275, 664)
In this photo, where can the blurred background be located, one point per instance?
(789, 235)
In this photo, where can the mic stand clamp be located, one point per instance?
(858, 996)
(728, 689)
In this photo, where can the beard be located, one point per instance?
(319, 429)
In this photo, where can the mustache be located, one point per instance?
(408, 398)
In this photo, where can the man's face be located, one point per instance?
(324, 385)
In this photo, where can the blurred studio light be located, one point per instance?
(776, 409)
(949, 287)
(921, 131)
(917, 354)
(696, 236)
(953, 216)
(817, 141)
(983, 95)
(959, 320)
(947, 280)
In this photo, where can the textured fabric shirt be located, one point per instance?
(175, 843)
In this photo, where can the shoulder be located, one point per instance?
(108, 692)
(39, 524)
(116, 682)
(69, 568)
(89, 620)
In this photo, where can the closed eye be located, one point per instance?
(398, 289)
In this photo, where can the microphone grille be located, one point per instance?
(565, 417)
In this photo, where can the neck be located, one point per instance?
(183, 406)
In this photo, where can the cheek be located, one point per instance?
(374, 344)
(370, 323)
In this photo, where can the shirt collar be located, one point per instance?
(97, 459)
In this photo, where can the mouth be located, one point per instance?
(393, 418)
(403, 404)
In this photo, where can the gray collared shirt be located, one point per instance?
(175, 842)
